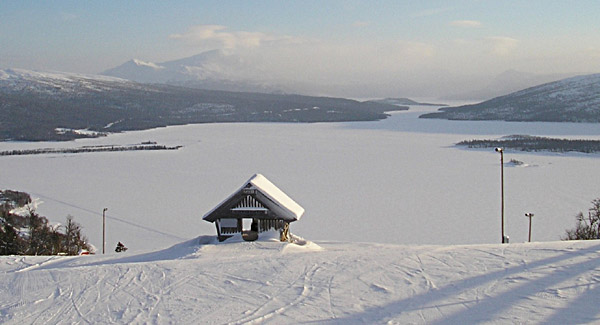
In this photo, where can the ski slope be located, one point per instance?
(201, 282)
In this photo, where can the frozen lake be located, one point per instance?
(399, 180)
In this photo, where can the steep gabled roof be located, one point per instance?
(269, 195)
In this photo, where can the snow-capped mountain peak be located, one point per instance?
(141, 63)
(216, 70)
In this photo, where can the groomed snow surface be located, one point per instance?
(201, 281)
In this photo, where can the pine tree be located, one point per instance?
(39, 233)
(10, 241)
(74, 240)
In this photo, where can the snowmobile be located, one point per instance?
(120, 248)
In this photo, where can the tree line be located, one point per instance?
(85, 150)
(32, 234)
(535, 143)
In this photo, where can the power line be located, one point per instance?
(109, 217)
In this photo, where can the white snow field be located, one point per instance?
(329, 283)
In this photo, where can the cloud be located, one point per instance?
(361, 24)
(415, 50)
(218, 36)
(429, 12)
(502, 45)
(67, 16)
(466, 23)
(351, 67)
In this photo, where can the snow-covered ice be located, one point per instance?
(429, 210)
(400, 180)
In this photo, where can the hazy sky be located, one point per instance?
(334, 42)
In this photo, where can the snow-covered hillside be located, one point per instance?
(58, 83)
(200, 282)
(575, 99)
(34, 105)
(508, 82)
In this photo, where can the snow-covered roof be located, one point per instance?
(274, 199)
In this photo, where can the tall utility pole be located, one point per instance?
(529, 215)
(501, 151)
(104, 229)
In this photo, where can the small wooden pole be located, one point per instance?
(104, 230)
(529, 215)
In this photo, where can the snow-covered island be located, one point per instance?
(535, 144)
(149, 145)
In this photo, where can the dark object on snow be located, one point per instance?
(120, 248)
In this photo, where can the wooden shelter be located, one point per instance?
(256, 207)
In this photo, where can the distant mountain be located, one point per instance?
(575, 99)
(404, 102)
(62, 106)
(505, 83)
(215, 70)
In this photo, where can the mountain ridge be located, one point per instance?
(505, 83)
(214, 70)
(575, 99)
(39, 106)
(403, 101)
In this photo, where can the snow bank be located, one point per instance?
(266, 240)
(197, 247)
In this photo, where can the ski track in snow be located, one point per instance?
(252, 283)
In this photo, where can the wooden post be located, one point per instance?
(284, 233)
(104, 230)
(529, 215)
(217, 224)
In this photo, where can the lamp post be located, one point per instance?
(104, 229)
(501, 151)
(529, 215)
